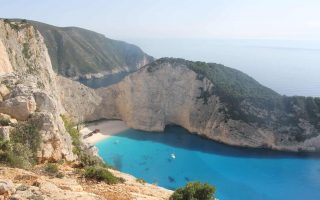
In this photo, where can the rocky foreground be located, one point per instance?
(20, 184)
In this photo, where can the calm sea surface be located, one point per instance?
(237, 173)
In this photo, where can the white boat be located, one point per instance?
(173, 156)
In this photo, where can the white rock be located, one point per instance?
(19, 107)
(5, 132)
(4, 91)
(6, 187)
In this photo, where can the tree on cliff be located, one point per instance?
(194, 191)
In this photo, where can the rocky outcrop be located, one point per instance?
(19, 107)
(30, 91)
(22, 184)
(4, 60)
(159, 95)
(79, 101)
(28, 185)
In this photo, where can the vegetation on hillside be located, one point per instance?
(21, 150)
(100, 173)
(227, 81)
(53, 170)
(194, 191)
(17, 24)
(76, 51)
(92, 166)
(239, 92)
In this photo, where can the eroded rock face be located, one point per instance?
(150, 100)
(19, 107)
(5, 65)
(156, 96)
(33, 93)
(79, 101)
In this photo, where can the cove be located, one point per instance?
(237, 173)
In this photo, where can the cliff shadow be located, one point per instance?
(179, 137)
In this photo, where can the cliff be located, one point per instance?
(203, 99)
(29, 89)
(32, 100)
(77, 52)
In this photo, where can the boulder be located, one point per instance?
(4, 91)
(56, 143)
(5, 132)
(19, 107)
(6, 188)
(4, 117)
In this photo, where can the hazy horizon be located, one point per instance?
(204, 19)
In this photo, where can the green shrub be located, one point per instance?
(52, 168)
(16, 155)
(22, 187)
(60, 175)
(36, 197)
(5, 122)
(194, 191)
(22, 148)
(99, 173)
(25, 50)
(26, 133)
(140, 180)
(74, 133)
(86, 159)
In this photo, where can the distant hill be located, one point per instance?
(76, 51)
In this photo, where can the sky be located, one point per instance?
(195, 19)
(277, 42)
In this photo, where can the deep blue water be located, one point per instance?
(237, 173)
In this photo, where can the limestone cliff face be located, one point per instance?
(33, 94)
(79, 101)
(4, 60)
(156, 96)
(150, 100)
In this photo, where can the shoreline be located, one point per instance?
(107, 128)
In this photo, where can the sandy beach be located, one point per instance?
(107, 129)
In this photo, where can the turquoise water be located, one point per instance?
(237, 173)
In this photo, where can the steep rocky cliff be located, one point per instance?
(201, 98)
(77, 52)
(29, 90)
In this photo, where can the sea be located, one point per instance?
(174, 157)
